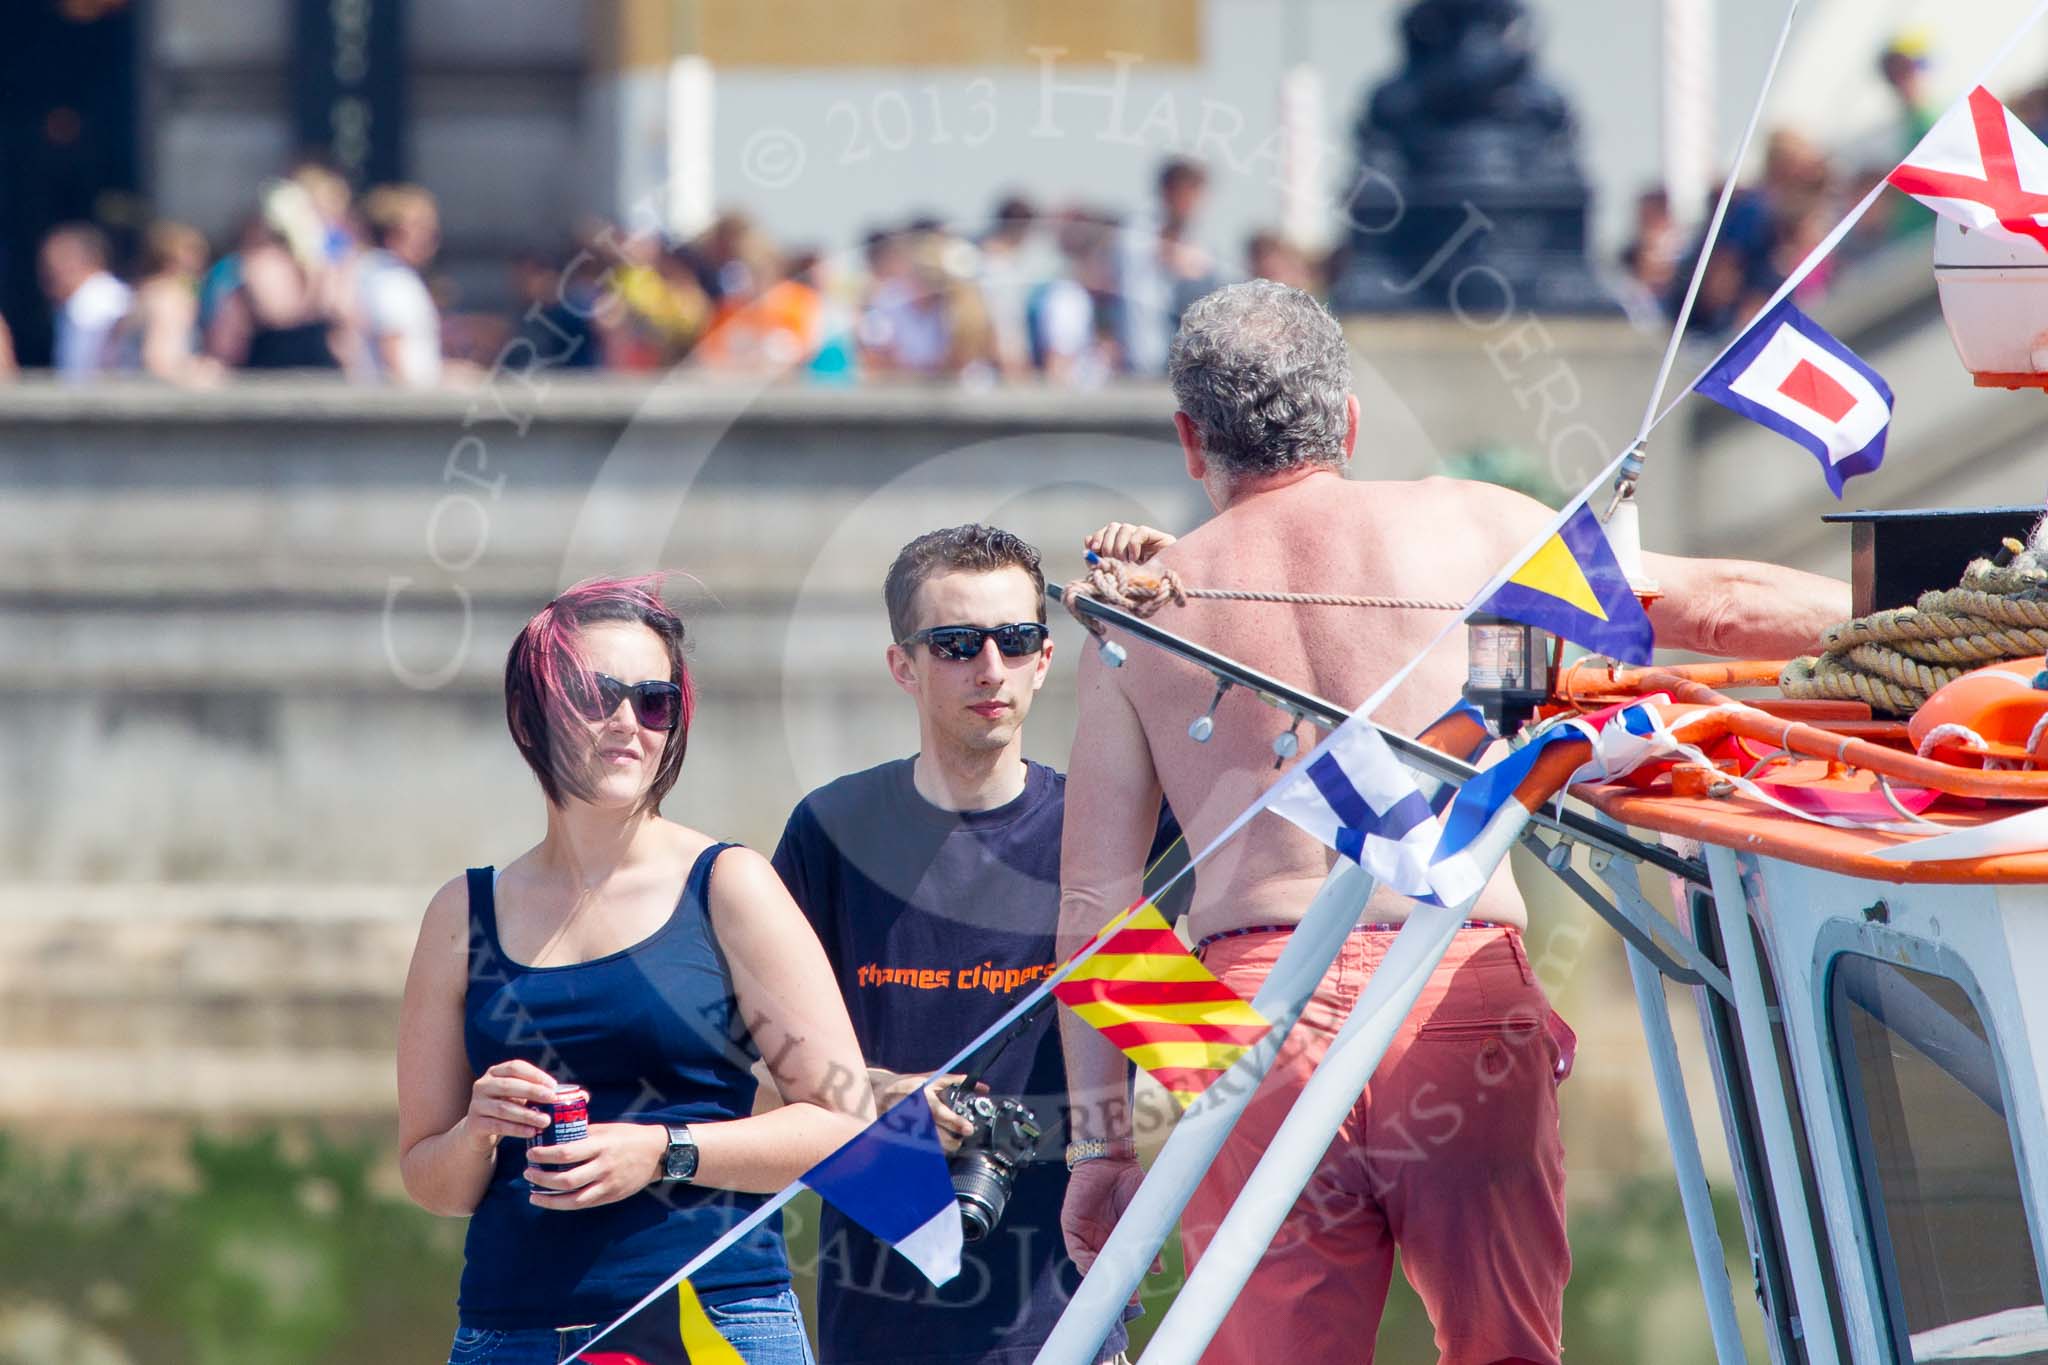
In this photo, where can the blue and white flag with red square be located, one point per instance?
(1788, 374)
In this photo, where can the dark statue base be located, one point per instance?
(1469, 196)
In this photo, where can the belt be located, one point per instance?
(1208, 939)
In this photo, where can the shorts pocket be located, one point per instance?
(1491, 1049)
(1567, 1044)
(1518, 1026)
(1461, 1030)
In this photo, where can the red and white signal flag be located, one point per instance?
(1982, 167)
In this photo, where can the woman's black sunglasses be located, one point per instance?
(961, 643)
(658, 705)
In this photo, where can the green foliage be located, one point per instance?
(270, 1256)
(1635, 1293)
(1633, 1296)
(274, 1254)
(1508, 468)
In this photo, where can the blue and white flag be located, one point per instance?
(1789, 374)
(1355, 796)
(1625, 738)
(1621, 739)
(892, 1180)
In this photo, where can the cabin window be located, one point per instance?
(1941, 1186)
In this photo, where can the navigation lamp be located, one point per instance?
(1509, 670)
(1995, 304)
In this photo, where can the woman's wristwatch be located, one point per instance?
(1094, 1149)
(679, 1162)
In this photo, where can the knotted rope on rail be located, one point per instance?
(1894, 660)
(1143, 592)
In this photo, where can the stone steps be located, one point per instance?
(202, 1001)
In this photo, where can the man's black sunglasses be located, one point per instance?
(961, 643)
(658, 705)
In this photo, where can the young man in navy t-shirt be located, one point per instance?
(934, 883)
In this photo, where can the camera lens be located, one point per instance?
(985, 1167)
(982, 1189)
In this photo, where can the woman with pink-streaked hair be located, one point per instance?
(644, 962)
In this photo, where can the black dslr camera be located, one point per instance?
(1006, 1132)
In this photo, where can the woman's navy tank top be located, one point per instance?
(654, 1034)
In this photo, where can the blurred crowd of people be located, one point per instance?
(315, 280)
(320, 279)
(1774, 222)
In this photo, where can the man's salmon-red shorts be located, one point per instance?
(1452, 1154)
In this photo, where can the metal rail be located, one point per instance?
(1566, 824)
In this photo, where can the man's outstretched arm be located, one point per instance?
(1111, 817)
(1738, 609)
(1730, 608)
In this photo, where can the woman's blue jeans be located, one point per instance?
(765, 1331)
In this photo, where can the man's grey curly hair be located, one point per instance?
(1262, 371)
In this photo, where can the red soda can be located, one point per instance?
(568, 1117)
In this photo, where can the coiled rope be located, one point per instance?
(1143, 592)
(1894, 660)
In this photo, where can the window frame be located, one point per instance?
(1835, 944)
(1776, 1299)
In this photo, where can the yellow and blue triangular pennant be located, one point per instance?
(1573, 586)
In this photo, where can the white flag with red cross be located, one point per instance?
(1982, 167)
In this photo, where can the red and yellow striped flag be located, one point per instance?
(1149, 996)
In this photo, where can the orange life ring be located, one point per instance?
(1994, 714)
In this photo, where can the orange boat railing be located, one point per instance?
(1872, 745)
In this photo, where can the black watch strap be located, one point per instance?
(679, 1162)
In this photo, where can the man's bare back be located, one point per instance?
(1437, 539)
(1265, 419)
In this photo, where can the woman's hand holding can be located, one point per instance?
(502, 1103)
(616, 1160)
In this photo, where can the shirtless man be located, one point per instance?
(1473, 1197)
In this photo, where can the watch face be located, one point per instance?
(681, 1161)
